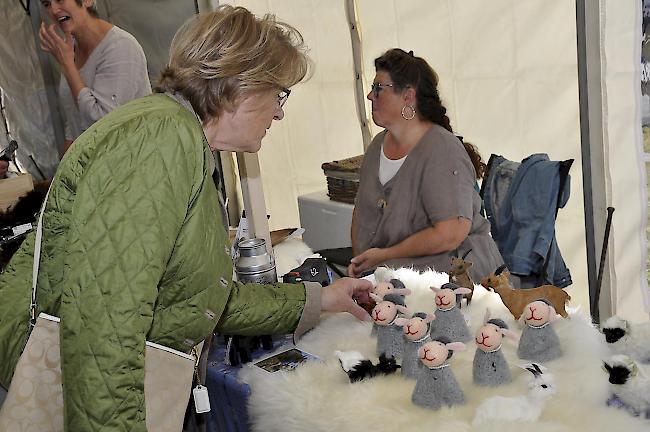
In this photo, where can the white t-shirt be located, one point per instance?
(115, 73)
(388, 167)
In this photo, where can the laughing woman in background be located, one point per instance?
(102, 66)
(417, 203)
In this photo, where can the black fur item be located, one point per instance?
(618, 374)
(613, 334)
(365, 368)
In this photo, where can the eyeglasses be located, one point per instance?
(377, 87)
(283, 96)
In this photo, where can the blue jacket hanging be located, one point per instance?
(520, 203)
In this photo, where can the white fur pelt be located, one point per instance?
(317, 396)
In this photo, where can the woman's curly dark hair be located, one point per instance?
(407, 70)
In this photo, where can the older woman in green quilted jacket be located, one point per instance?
(134, 247)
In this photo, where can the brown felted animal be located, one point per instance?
(516, 299)
(459, 274)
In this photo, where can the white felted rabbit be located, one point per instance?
(519, 408)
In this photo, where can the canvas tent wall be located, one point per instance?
(509, 78)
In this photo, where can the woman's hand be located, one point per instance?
(61, 48)
(366, 260)
(343, 296)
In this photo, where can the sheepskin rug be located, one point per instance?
(317, 396)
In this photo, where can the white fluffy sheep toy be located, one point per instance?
(629, 383)
(390, 341)
(490, 368)
(436, 385)
(539, 342)
(450, 322)
(416, 333)
(626, 338)
(519, 408)
(396, 287)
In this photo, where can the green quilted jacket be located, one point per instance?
(134, 249)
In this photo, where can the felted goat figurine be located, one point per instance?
(525, 408)
(516, 299)
(629, 383)
(459, 274)
(630, 339)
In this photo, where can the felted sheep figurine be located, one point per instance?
(516, 299)
(538, 341)
(490, 367)
(519, 408)
(630, 339)
(629, 383)
(459, 274)
(396, 287)
(436, 385)
(450, 322)
(416, 333)
(390, 341)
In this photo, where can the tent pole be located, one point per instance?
(592, 145)
(351, 14)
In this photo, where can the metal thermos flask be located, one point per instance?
(254, 264)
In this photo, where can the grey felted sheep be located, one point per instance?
(538, 341)
(436, 385)
(450, 322)
(416, 333)
(390, 341)
(396, 287)
(490, 367)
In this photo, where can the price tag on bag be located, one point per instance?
(201, 399)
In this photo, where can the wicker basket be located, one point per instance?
(343, 178)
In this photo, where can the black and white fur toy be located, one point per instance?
(539, 342)
(450, 322)
(436, 385)
(359, 368)
(390, 341)
(629, 383)
(490, 367)
(626, 338)
(416, 333)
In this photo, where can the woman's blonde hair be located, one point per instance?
(216, 58)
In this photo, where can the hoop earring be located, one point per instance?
(412, 116)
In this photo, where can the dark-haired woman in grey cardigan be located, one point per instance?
(417, 201)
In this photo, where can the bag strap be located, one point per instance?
(37, 260)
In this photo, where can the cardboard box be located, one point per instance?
(12, 189)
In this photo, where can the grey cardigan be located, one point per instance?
(435, 183)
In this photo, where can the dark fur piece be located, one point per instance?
(617, 374)
(613, 334)
(365, 368)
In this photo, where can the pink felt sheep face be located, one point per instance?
(435, 353)
(384, 288)
(416, 327)
(490, 336)
(385, 312)
(446, 298)
(538, 313)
